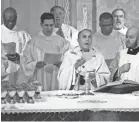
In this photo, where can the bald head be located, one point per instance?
(132, 38)
(9, 10)
(10, 17)
(85, 39)
(133, 30)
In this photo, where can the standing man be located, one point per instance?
(11, 33)
(119, 20)
(66, 31)
(108, 41)
(13, 41)
(126, 64)
(40, 49)
(80, 61)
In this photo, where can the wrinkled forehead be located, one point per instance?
(119, 13)
(58, 10)
(106, 21)
(85, 33)
(133, 32)
(10, 14)
(48, 22)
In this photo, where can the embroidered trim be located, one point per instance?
(69, 110)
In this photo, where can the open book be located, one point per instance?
(117, 83)
(87, 55)
(50, 58)
(9, 48)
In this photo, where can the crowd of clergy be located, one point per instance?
(108, 55)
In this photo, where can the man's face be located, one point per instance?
(119, 19)
(131, 39)
(85, 40)
(59, 17)
(106, 26)
(10, 20)
(47, 26)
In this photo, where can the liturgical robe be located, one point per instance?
(70, 34)
(35, 51)
(67, 73)
(123, 30)
(123, 57)
(109, 45)
(20, 38)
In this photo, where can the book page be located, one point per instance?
(108, 85)
(131, 82)
(87, 55)
(50, 58)
(116, 83)
(9, 48)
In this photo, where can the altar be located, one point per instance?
(73, 106)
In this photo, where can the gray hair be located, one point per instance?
(55, 7)
(118, 9)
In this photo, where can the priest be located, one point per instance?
(13, 40)
(126, 64)
(119, 18)
(43, 54)
(10, 32)
(80, 62)
(107, 40)
(66, 31)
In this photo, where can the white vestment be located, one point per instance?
(123, 30)
(109, 45)
(35, 51)
(20, 38)
(70, 34)
(123, 58)
(67, 73)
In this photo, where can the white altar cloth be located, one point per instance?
(50, 102)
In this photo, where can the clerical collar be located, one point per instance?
(42, 34)
(133, 51)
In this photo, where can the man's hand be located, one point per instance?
(124, 68)
(13, 57)
(58, 64)
(40, 64)
(79, 63)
